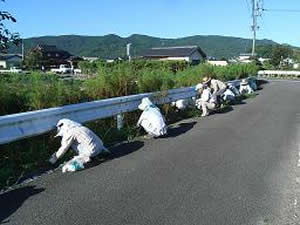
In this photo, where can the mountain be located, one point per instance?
(112, 46)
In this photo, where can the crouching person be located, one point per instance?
(151, 119)
(207, 100)
(234, 89)
(245, 87)
(81, 139)
(228, 95)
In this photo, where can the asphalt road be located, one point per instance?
(238, 167)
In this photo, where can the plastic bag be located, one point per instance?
(181, 104)
(75, 164)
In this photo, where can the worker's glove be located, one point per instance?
(53, 159)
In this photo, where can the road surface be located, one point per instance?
(239, 167)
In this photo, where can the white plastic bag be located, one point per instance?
(75, 164)
(181, 104)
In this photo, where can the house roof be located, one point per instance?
(51, 49)
(75, 58)
(9, 56)
(178, 51)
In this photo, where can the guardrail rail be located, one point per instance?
(21, 125)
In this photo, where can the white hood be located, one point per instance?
(145, 104)
(64, 125)
(199, 86)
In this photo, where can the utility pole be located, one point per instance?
(257, 8)
(128, 51)
(254, 24)
(23, 50)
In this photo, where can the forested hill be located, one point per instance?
(111, 46)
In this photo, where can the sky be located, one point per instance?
(159, 18)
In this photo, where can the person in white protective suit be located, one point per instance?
(217, 87)
(234, 89)
(228, 95)
(245, 87)
(207, 101)
(151, 119)
(252, 84)
(81, 139)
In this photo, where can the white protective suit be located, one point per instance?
(245, 87)
(228, 95)
(252, 84)
(81, 139)
(207, 101)
(218, 87)
(151, 119)
(234, 89)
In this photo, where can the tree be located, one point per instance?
(264, 51)
(34, 60)
(279, 53)
(6, 37)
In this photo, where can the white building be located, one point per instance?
(90, 59)
(217, 62)
(245, 58)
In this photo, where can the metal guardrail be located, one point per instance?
(272, 73)
(17, 126)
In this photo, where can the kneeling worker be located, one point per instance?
(81, 139)
(151, 119)
(218, 87)
(207, 100)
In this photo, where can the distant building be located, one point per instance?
(51, 55)
(245, 58)
(217, 62)
(10, 60)
(191, 54)
(262, 60)
(90, 59)
(74, 61)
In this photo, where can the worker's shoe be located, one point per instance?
(148, 136)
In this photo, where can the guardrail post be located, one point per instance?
(120, 121)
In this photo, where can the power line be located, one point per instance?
(248, 6)
(282, 10)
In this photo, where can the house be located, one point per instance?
(217, 62)
(10, 60)
(90, 59)
(74, 61)
(262, 60)
(191, 54)
(245, 58)
(51, 56)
